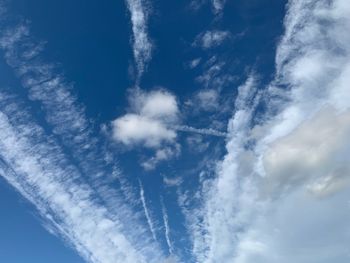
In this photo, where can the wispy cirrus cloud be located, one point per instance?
(56, 160)
(221, 212)
(43, 174)
(218, 5)
(211, 38)
(142, 46)
(290, 163)
(285, 174)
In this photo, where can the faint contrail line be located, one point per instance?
(211, 132)
(147, 214)
(167, 227)
(142, 46)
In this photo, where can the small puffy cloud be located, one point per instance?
(211, 39)
(149, 124)
(132, 129)
(153, 121)
(158, 104)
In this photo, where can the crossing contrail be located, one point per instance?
(211, 132)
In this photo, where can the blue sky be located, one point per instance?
(184, 131)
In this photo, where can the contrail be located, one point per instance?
(41, 172)
(211, 132)
(142, 46)
(167, 227)
(62, 112)
(147, 214)
(65, 169)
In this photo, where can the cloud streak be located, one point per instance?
(142, 46)
(167, 228)
(60, 194)
(210, 132)
(61, 167)
(286, 169)
(147, 213)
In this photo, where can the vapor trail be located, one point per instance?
(211, 132)
(147, 214)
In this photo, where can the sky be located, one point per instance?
(197, 131)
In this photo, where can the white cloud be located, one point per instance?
(194, 63)
(284, 197)
(168, 181)
(45, 176)
(315, 153)
(132, 129)
(150, 124)
(156, 104)
(167, 228)
(163, 154)
(142, 46)
(171, 259)
(221, 211)
(196, 143)
(218, 5)
(209, 131)
(65, 192)
(153, 122)
(210, 39)
(208, 99)
(147, 212)
(216, 74)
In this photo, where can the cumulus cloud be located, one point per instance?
(157, 104)
(153, 122)
(148, 124)
(132, 129)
